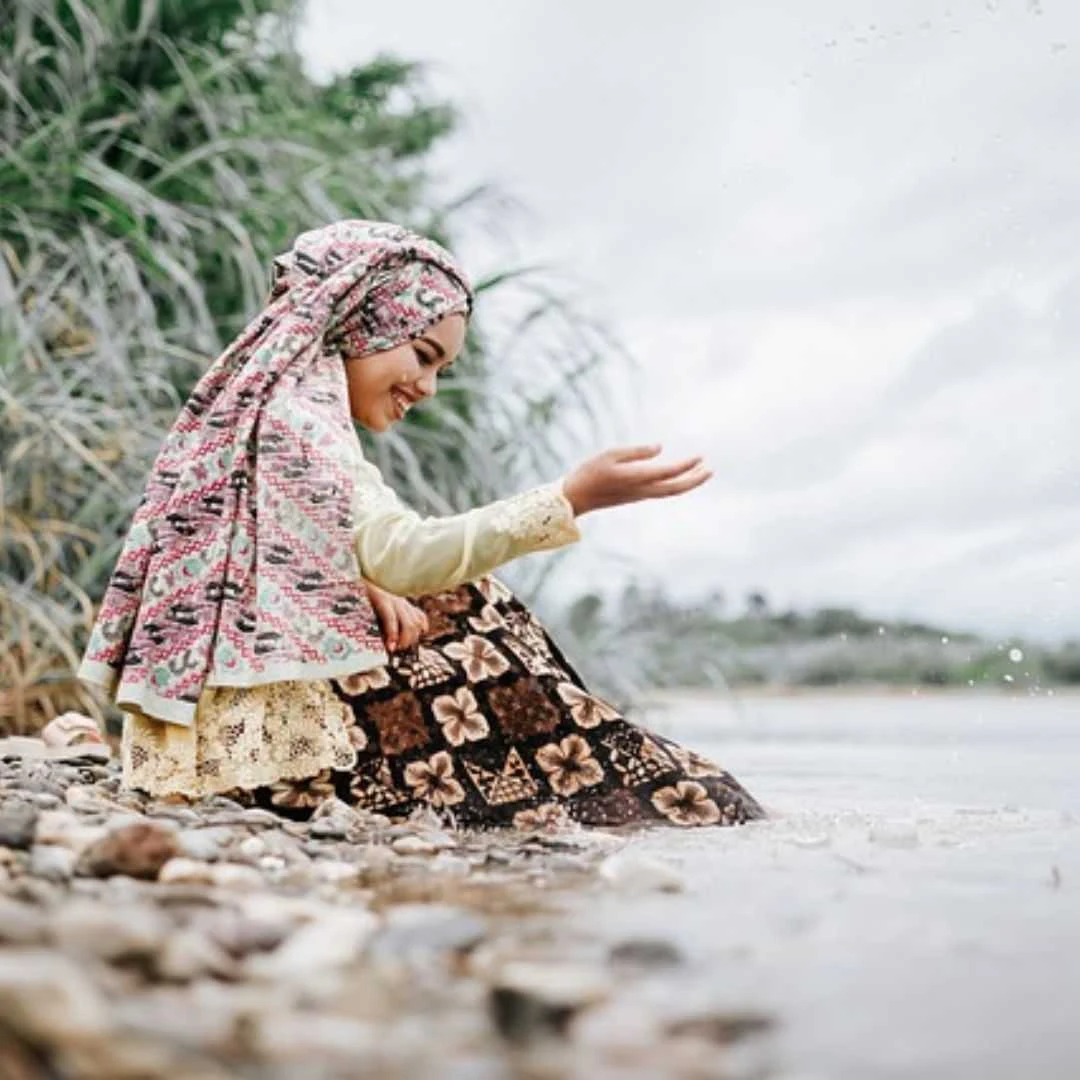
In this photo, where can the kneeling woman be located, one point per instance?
(255, 629)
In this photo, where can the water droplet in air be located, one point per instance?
(944, 639)
(1016, 655)
(1008, 678)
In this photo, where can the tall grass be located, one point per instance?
(153, 157)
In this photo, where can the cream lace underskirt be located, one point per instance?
(243, 737)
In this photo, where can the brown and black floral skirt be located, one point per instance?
(487, 722)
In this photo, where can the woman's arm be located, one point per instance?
(410, 555)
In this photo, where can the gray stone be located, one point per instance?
(414, 931)
(47, 800)
(235, 876)
(36, 891)
(182, 815)
(181, 871)
(85, 799)
(329, 829)
(110, 932)
(208, 844)
(427, 843)
(65, 829)
(646, 953)
(334, 941)
(22, 924)
(723, 1028)
(17, 821)
(633, 872)
(252, 847)
(450, 865)
(530, 1001)
(240, 935)
(47, 999)
(188, 954)
(52, 863)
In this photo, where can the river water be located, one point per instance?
(912, 910)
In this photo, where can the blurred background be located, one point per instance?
(832, 247)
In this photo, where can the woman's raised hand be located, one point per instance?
(630, 475)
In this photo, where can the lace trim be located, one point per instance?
(243, 737)
(541, 518)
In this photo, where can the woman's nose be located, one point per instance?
(426, 384)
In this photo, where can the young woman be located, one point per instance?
(256, 630)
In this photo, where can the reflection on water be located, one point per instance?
(910, 911)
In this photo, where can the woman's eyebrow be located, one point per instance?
(440, 351)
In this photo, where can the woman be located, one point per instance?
(255, 628)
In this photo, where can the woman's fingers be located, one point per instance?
(654, 474)
(391, 627)
(635, 453)
(694, 478)
(414, 625)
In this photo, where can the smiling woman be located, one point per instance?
(256, 630)
(385, 385)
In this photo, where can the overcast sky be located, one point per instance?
(842, 238)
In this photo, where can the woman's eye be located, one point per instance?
(426, 359)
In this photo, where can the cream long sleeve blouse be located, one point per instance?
(246, 737)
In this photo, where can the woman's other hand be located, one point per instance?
(630, 475)
(403, 623)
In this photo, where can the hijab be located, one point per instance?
(239, 568)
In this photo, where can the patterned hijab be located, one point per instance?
(239, 568)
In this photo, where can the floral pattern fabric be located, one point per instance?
(487, 722)
(239, 567)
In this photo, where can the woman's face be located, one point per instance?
(383, 386)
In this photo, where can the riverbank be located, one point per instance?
(908, 912)
(140, 940)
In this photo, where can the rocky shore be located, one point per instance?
(140, 940)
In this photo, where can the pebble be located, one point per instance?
(138, 851)
(53, 863)
(239, 935)
(450, 865)
(333, 941)
(632, 871)
(235, 876)
(427, 843)
(181, 871)
(646, 953)
(22, 924)
(532, 1000)
(111, 932)
(17, 822)
(65, 829)
(420, 930)
(228, 941)
(46, 998)
(206, 845)
(189, 954)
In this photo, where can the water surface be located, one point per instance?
(913, 908)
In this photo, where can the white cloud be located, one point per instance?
(842, 238)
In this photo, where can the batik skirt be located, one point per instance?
(487, 723)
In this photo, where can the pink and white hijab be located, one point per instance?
(239, 568)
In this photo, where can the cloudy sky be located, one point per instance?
(841, 237)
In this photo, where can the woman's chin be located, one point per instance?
(377, 425)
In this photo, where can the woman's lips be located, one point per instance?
(402, 404)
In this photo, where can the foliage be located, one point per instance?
(153, 157)
(696, 644)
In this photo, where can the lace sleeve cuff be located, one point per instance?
(537, 520)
